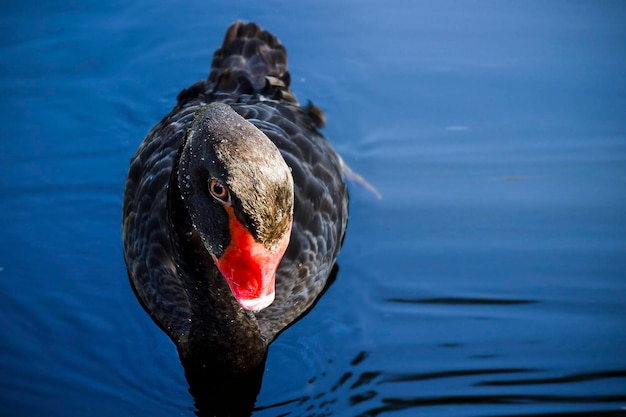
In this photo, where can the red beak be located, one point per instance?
(249, 267)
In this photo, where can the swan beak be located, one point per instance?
(249, 267)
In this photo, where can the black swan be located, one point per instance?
(235, 209)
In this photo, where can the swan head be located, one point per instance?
(239, 194)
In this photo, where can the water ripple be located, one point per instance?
(579, 377)
(398, 404)
(460, 301)
(452, 374)
(370, 393)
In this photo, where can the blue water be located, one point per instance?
(490, 279)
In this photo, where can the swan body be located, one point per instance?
(235, 208)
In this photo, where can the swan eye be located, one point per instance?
(219, 191)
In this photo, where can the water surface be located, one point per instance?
(489, 280)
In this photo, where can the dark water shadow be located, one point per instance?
(224, 396)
